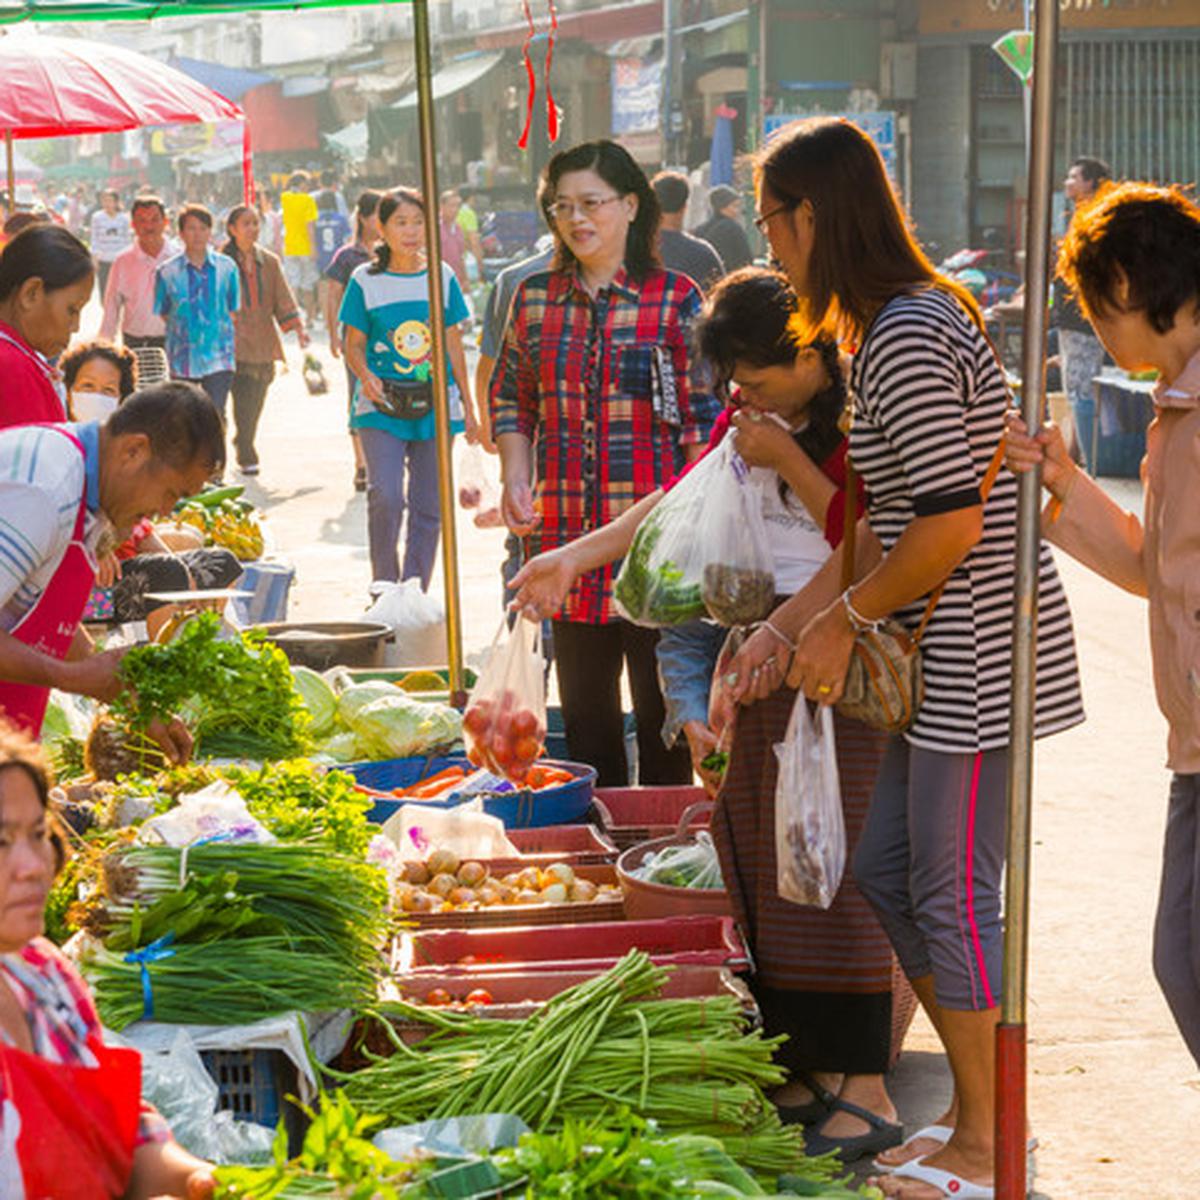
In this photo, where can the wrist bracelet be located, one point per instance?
(780, 635)
(858, 622)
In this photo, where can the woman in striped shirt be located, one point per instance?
(929, 405)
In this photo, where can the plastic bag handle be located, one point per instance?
(691, 813)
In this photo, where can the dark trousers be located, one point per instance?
(588, 659)
(250, 384)
(216, 386)
(103, 270)
(1177, 925)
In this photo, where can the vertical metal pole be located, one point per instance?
(1010, 1034)
(12, 171)
(668, 80)
(437, 330)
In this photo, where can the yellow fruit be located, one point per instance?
(423, 681)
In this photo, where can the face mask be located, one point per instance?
(92, 406)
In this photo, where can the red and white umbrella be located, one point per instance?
(55, 86)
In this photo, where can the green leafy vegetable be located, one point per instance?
(319, 699)
(655, 595)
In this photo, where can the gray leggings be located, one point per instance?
(1177, 925)
(930, 862)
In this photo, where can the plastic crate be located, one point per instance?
(539, 846)
(632, 815)
(251, 1084)
(699, 941)
(559, 805)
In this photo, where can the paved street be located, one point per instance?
(1115, 1099)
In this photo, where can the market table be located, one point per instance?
(1124, 409)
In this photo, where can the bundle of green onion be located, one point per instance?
(602, 1047)
(251, 931)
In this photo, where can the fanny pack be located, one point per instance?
(405, 401)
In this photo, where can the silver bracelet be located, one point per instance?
(858, 622)
(780, 635)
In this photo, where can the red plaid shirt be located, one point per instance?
(609, 390)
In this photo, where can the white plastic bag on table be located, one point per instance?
(660, 578)
(418, 620)
(418, 829)
(505, 722)
(810, 829)
(737, 581)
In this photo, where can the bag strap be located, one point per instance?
(851, 522)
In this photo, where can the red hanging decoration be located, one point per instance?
(551, 107)
(523, 140)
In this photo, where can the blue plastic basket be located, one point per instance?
(561, 805)
(251, 1084)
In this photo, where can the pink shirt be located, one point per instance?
(129, 298)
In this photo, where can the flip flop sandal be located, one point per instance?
(955, 1187)
(883, 1135)
(935, 1133)
(815, 1111)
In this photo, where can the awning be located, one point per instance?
(304, 85)
(455, 75)
(230, 82)
(715, 23)
(350, 141)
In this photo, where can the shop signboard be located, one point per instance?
(880, 127)
(636, 95)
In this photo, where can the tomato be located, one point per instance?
(479, 996)
(473, 755)
(475, 720)
(501, 751)
(525, 723)
(526, 750)
(438, 998)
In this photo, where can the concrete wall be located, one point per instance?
(941, 140)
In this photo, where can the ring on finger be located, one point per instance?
(824, 689)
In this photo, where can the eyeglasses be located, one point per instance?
(761, 221)
(564, 210)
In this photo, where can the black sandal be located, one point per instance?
(882, 1135)
(819, 1108)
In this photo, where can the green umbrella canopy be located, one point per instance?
(144, 10)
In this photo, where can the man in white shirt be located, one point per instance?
(129, 296)
(110, 234)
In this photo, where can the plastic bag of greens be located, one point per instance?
(810, 830)
(659, 583)
(687, 865)
(737, 582)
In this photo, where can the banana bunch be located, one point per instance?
(225, 519)
(238, 532)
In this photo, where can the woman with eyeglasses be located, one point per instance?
(929, 403)
(595, 371)
(823, 977)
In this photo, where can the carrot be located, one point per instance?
(449, 776)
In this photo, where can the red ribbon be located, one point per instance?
(247, 165)
(551, 107)
(523, 140)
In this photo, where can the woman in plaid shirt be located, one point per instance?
(595, 375)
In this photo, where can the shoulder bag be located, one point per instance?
(883, 686)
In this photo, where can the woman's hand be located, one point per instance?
(471, 427)
(372, 386)
(108, 571)
(1022, 453)
(701, 743)
(305, 341)
(756, 670)
(543, 583)
(822, 655)
(761, 441)
(173, 738)
(516, 506)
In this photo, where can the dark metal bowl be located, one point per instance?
(323, 644)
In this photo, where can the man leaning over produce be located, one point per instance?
(68, 494)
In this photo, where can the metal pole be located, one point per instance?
(437, 330)
(12, 171)
(668, 80)
(1010, 1034)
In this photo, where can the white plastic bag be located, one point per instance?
(738, 580)
(419, 622)
(419, 829)
(505, 722)
(659, 581)
(478, 487)
(216, 811)
(810, 830)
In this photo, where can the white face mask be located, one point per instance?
(92, 406)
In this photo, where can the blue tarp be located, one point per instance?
(230, 82)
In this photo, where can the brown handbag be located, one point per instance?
(883, 686)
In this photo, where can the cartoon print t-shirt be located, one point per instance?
(392, 311)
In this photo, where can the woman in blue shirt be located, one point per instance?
(385, 311)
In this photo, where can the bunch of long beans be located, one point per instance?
(286, 926)
(601, 1047)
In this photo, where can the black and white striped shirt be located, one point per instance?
(929, 403)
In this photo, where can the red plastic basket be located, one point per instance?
(695, 941)
(638, 814)
(576, 845)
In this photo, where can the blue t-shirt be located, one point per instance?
(392, 311)
(331, 231)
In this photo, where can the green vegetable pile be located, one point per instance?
(655, 593)
(236, 694)
(254, 930)
(593, 1051)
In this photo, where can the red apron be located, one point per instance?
(78, 1124)
(51, 624)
